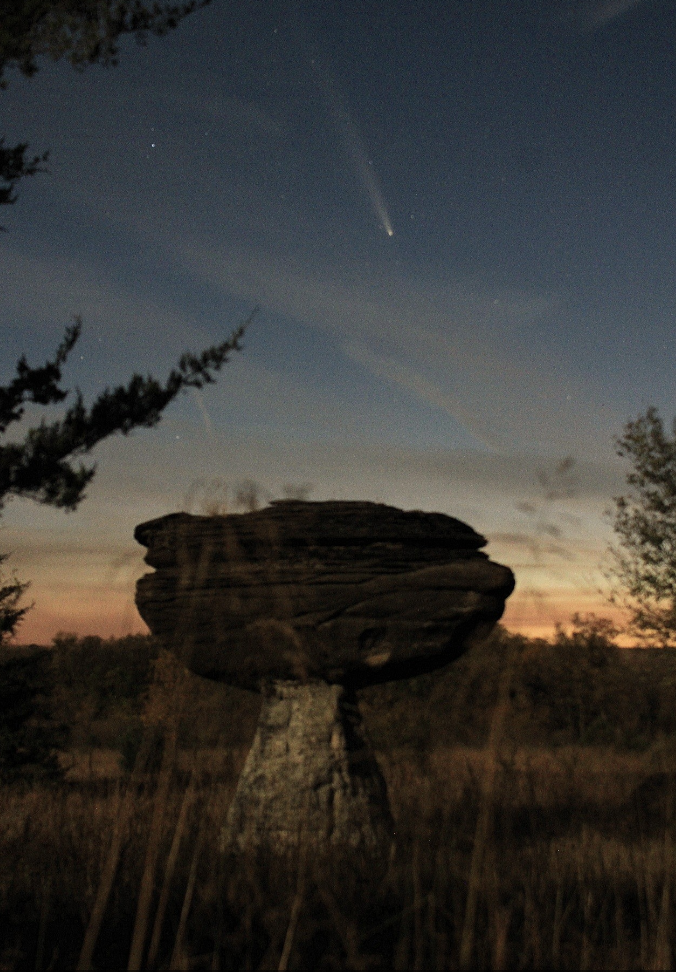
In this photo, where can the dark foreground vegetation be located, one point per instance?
(531, 785)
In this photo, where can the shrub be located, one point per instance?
(29, 735)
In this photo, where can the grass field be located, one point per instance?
(534, 830)
(572, 868)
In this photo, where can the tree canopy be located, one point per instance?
(83, 31)
(40, 467)
(646, 523)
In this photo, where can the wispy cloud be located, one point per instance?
(224, 111)
(460, 345)
(61, 286)
(592, 14)
(419, 385)
(458, 348)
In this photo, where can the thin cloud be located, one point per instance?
(213, 108)
(469, 341)
(61, 287)
(598, 13)
(425, 389)
(429, 332)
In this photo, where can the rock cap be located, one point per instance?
(347, 592)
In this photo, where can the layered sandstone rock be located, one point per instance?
(348, 592)
(306, 602)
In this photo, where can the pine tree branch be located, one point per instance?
(39, 468)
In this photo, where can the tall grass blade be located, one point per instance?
(85, 963)
(178, 955)
(484, 818)
(148, 880)
(42, 927)
(186, 803)
(295, 911)
(418, 941)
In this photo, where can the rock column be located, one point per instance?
(310, 776)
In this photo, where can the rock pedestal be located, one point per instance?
(305, 603)
(310, 774)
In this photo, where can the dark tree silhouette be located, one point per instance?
(646, 524)
(83, 31)
(10, 615)
(30, 736)
(14, 166)
(39, 467)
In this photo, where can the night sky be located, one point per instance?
(458, 221)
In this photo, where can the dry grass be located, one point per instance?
(505, 856)
(86, 766)
(570, 873)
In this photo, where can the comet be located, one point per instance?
(368, 178)
(353, 144)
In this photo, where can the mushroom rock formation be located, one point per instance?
(306, 602)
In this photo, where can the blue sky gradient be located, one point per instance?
(522, 311)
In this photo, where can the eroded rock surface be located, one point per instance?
(310, 773)
(348, 592)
